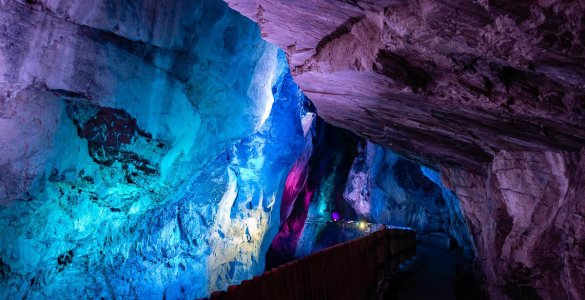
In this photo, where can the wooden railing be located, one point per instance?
(345, 271)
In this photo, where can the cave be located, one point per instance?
(278, 149)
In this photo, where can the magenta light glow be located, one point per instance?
(335, 216)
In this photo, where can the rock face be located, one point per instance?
(314, 188)
(144, 148)
(87, 55)
(161, 148)
(385, 188)
(449, 82)
(490, 92)
(342, 174)
(528, 220)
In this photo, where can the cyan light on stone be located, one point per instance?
(166, 179)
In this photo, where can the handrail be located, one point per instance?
(345, 271)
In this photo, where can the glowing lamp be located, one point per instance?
(335, 216)
(362, 225)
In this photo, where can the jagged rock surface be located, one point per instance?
(373, 184)
(385, 188)
(528, 220)
(144, 148)
(313, 190)
(492, 92)
(450, 82)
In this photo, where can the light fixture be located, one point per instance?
(335, 216)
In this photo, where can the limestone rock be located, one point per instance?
(144, 147)
(527, 220)
(492, 92)
(445, 82)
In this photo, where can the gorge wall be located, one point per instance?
(341, 177)
(490, 92)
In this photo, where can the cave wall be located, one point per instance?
(154, 150)
(145, 147)
(358, 180)
(489, 92)
(313, 189)
(527, 218)
(386, 188)
(172, 68)
(443, 82)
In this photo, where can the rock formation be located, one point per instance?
(376, 185)
(158, 149)
(163, 149)
(385, 188)
(527, 218)
(449, 82)
(491, 92)
(144, 148)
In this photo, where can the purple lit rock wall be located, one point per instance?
(531, 236)
(491, 93)
(309, 185)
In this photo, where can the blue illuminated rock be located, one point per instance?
(160, 149)
(144, 148)
(377, 185)
(314, 186)
(386, 188)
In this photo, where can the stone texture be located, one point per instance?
(449, 82)
(361, 181)
(528, 221)
(386, 188)
(313, 189)
(491, 92)
(144, 148)
(169, 73)
(141, 156)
